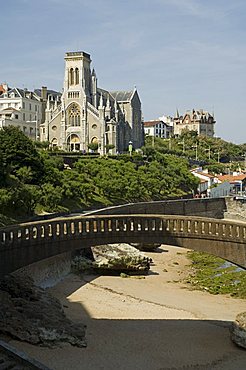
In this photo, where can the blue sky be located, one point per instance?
(181, 54)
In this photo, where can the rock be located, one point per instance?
(30, 314)
(238, 330)
(150, 247)
(114, 257)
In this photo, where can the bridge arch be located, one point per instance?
(24, 244)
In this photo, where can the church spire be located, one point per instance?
(108, 102)
(101, 101)
(177, 113)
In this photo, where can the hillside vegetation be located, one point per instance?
(33, 182)
(213, 153)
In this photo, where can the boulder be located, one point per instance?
(238, 330)
(113, 257)
(150, 247)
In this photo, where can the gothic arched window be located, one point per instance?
(74, 115)
(71, 76)
(76, 76)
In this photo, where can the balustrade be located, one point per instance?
(84, 227)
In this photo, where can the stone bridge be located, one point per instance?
(24, 244)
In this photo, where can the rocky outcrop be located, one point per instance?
(150, 247)
(30, 314)
(238, 330)
(113, 257)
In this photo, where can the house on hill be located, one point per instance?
(194, 120)
(159, 128)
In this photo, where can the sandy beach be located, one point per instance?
(150, 323)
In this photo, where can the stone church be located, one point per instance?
(86, 117)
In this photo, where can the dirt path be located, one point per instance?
(151, 324)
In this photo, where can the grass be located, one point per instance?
(216, 276)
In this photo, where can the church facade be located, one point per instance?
(89, 118)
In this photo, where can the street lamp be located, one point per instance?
(182, 142)
(209, 152)
(195, 146)
(130, 148)
(218, 153)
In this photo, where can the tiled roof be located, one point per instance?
(231, 178)
(205, 174)
(151, 123)
(2, 90)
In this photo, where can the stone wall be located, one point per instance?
(236, 209)
(206, 207)
(47, 273)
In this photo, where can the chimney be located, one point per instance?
(44, 93)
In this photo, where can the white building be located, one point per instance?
(21, 108)
(206, 180)
(158, 128)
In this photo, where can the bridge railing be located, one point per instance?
(82, 227)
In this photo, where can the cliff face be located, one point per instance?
(30, 314)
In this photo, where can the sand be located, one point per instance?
(153, 323)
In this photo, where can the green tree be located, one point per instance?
(17, 150)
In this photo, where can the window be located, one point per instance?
(16, 116)
(24, 117)
(24, 128)
(76, 76)
(30, 106)
(74, 115)
(36, 108)
(23, 105)
(71, 76)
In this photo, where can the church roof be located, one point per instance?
(122, 95)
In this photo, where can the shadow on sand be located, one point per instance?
(141, 344)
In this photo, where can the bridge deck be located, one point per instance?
(23, 244)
